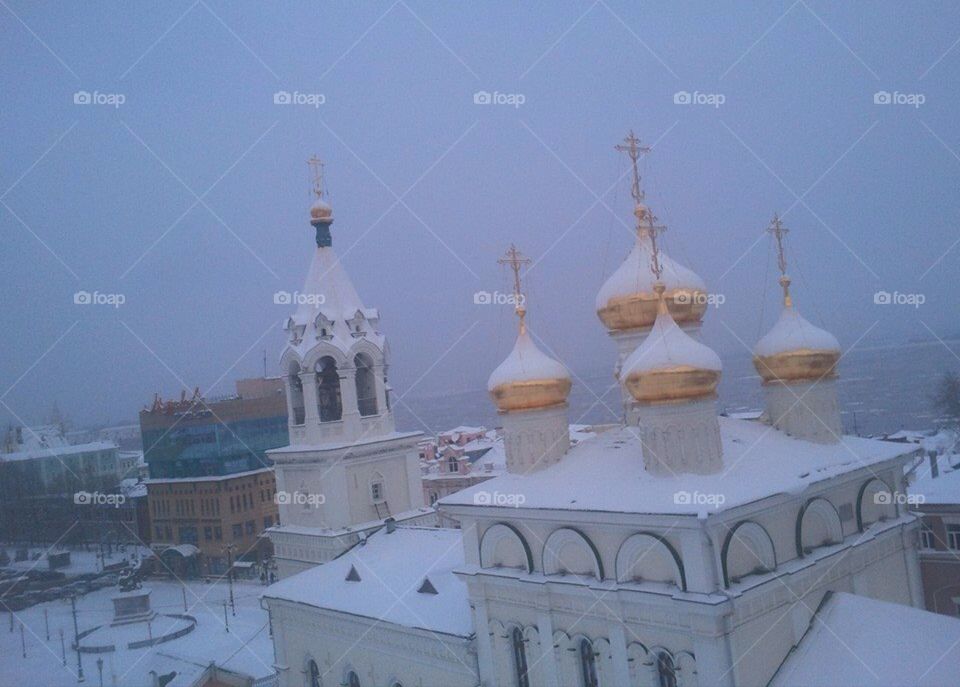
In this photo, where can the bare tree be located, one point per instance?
(946, 400)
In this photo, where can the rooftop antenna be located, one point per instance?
(780, 232)
(516, 259)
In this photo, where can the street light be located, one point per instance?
(229, 550)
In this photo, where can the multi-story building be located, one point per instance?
(51, 490)
(196, 437)
(935, 497)
(201, 524)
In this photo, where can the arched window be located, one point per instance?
(666, 671)
(366, 385)
(313, 673)
(588, 665)
(296, 393)
(520, 668)
(329, 404)
(453, 464)
(353, 680)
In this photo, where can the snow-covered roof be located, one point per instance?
(206, 478)
(669, 346)
(392, 567)
(328, 290)
(525, 363)
(941, 490)
(634, 275)
(759, 462)
(792, 332)
(853, 640)
(60, 450)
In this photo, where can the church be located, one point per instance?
(677, 549)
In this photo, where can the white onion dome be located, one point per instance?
(795, 350)
(627, 300)
(528, 378)
(670, 366)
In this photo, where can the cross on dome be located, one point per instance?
(780, 232)
(516, 260)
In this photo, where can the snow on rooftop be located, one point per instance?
(791, 333)
(206, 478)
(668, 346)
(634, 275)
(59, 450)
(760, 462)
(526, 362)
(854, 640)
(941, 490)
(392, 567)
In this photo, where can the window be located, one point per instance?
(366, 385)
(376, 491)
(353, 680)
(927, 539)
(158, 531)
(208, 533)
(251, 526)
(953, 536)
(267, 522)
(217, 533)
(313, 671)
(519, 645)
(453, 465)
(666, 672)
(238, 531)
(588, 665)
(329, 403)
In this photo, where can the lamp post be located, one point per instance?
(76, 637)
(229, 549)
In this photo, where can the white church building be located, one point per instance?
(678, 549)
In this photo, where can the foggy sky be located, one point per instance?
(191, 197)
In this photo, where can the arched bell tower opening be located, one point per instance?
(329, 399)
(366, 381)
(297, 412)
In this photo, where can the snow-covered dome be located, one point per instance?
(320, 210)
(528, 378)
(627, 300)
(795, 350)
(670, 366)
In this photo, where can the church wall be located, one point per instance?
(380, 653)
(391, 471)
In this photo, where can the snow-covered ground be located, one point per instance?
(81, 561)
(246, 648)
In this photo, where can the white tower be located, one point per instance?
(626, 303)
(672, 379)
(797, 363)
(530, 391)
(346, 468)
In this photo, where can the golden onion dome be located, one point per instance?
(320, 211)
(528, 379)
(795, 351)
(627, 301)
(670, 366)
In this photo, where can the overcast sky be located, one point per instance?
(189, 198)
